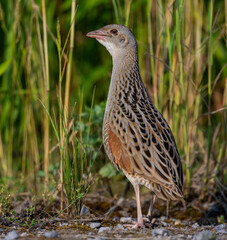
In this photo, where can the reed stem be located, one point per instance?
(210, 63)
(150, 41)
(46, 97)
(69, 65)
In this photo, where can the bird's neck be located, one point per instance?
(125, 72)
(124, 59)
(124, 65)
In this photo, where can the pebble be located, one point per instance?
(51, 234)
(63, 224)
(221, 228)
(195, 225)
(160, 231)
(178, 222)
(181, 236)
(104, 229)
(126, 220)
(204, 235)
(11, 235)
(119, 226)
(116, 219)
(24, 234)
(163, 218)
(97, 238)
(164, 224)
(84, 210)
(95, 225)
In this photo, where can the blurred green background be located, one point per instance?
(182, 56)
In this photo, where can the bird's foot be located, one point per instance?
(149, 221)
(135, 225)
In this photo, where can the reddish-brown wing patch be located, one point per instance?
(121, 158)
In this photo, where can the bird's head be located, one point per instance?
(116, 38)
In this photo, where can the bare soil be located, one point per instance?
(182, 223)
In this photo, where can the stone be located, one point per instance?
(221, 228)
(63, 224)
(24, 234)
(163, 218)
(51, 234)
(119, 226)
(126, 220)
(95, 225)
(116, 219)
(164, 224)
(160, 232)
(204, 235)
(181, 236)
(84, 211)
(104, 229)
(195, 225)
(178, 222)
(11, 235)
(97, 238)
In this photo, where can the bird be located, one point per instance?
(136, 137)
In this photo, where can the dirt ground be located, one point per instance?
(106, 218)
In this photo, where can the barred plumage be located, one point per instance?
(136, 137)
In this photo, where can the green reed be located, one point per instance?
(181, 54)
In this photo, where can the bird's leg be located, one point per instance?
(150, 210)
(167, 209)
(139, 210)
(149, 218)
(139, 223)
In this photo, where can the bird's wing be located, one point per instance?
(147, 140)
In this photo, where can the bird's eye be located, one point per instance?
(114, 31)
(122, 40)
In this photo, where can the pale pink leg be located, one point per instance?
(139, 223)
(153, 198)
(139, 210)
(149, 218)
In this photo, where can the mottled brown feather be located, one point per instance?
(120, 157)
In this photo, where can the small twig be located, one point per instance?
(112, 209)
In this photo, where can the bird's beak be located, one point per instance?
(98, 34)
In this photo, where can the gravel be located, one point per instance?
(119, 226)
(51, 234)
(195, 225)
(204, 235)
(126, 220)
(24, 234)
(104, 229)
(116, 219)
(11, 235)
(163, 218)
(95, 225)
(164, 224)
(221, 228)
(160, 232)
(178, 222)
